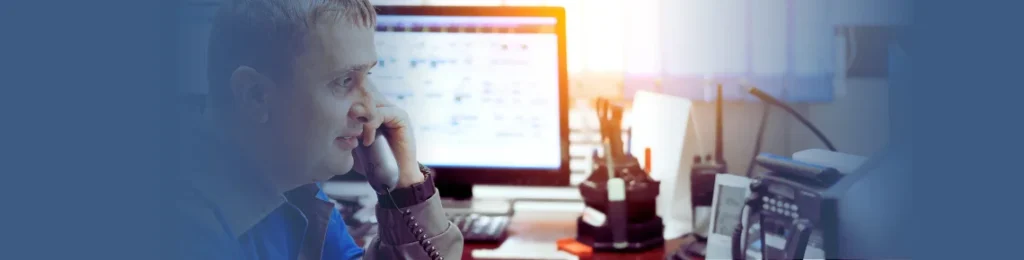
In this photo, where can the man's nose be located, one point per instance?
(363, 109)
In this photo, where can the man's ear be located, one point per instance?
(251, 93)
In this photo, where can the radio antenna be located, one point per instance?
(719, 150)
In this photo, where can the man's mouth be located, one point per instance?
(347, 142)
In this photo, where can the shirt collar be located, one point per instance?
(243, 197)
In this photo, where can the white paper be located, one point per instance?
(517, 248)
(660, 122)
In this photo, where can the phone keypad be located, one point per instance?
(780, 207)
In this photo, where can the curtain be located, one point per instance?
(686, 47)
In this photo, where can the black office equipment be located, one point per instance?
(787, 201)
(799, 171)
(621, 192)
(703, 171)
(861, 215)
(643, 228)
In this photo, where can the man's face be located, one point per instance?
(321, 115)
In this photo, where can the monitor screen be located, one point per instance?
(482, 91)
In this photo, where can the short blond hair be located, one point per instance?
(268, 35)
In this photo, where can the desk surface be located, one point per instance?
(541, 224)
(546, 227)
(659, 254)
(542, 227)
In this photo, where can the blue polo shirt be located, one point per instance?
(303, 222)
(220, 210)
(300, 228)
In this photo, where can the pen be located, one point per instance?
(616, 129)
(617, 207)
(609, 163)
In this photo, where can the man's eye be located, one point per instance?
(343, 82)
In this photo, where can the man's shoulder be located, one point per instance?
(193, 226)
(190, 209)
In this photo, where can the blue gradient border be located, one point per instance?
(88, 121)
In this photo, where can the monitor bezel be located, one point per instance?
(448, 175)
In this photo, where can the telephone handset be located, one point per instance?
(378, 163)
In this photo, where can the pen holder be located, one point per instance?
(629, 224)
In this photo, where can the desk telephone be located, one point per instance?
(378, 163)
(787, 202)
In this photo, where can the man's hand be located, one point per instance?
(396, 126)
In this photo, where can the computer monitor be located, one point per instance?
(485, 87)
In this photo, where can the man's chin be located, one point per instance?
(332, 169)
(342, 168)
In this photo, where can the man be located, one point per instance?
(289, 101)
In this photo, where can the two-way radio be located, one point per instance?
(703, 171)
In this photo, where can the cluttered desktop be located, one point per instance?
(488, 89)
(640, 151)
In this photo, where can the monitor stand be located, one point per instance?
(454, 191)
(501, 199)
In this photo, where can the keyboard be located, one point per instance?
(481, 228)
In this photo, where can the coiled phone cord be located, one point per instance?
(738, 242)
(416, 230)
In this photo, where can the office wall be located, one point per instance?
(856, 122)
(740, 124)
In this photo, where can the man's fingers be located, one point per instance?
(370, 127)
(392, 117)
(389, 117)
(369, 133)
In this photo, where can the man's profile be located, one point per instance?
(288, 101)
